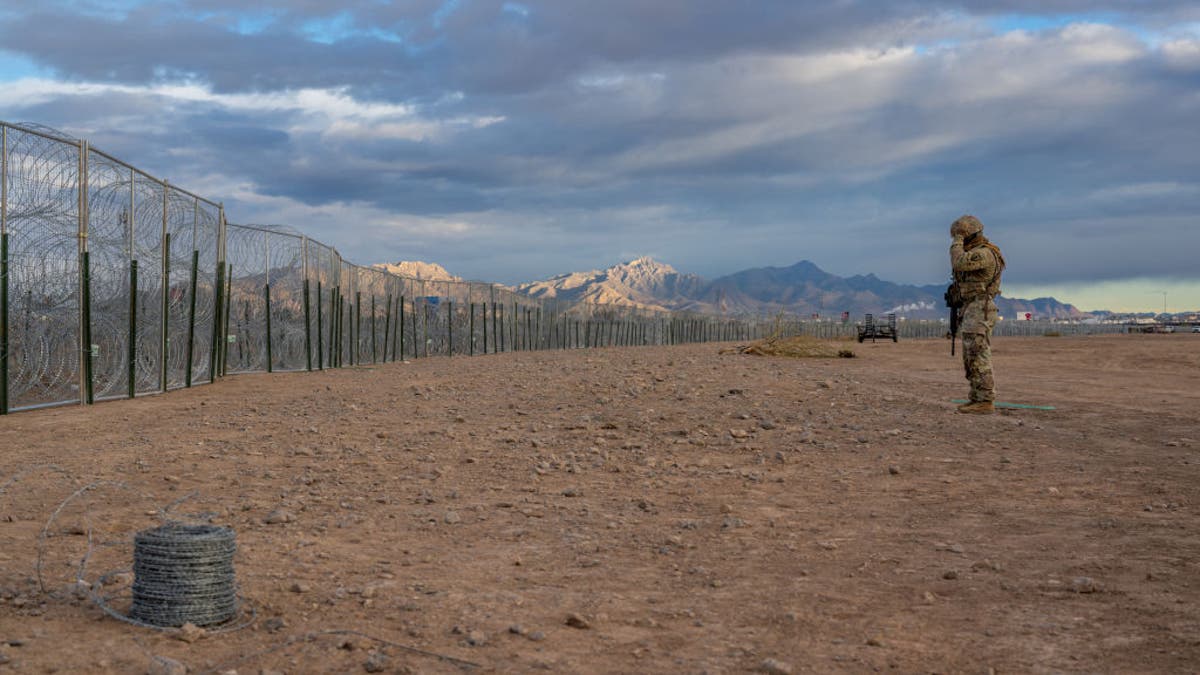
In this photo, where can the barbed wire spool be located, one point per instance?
(184, 574)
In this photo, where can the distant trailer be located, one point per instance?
(871, 329)
(1150, 328)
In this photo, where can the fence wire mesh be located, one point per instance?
(42, 226)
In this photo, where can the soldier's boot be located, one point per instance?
(977, 408)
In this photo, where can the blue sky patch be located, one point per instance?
(16, 66)
(1033, 23)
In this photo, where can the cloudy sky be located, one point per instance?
(512, 141)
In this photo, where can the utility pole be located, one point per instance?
(1164, 294)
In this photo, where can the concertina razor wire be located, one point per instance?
(115, 284)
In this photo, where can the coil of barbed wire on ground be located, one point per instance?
(183, 570)
(184, 574)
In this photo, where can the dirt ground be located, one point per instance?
(639, 510)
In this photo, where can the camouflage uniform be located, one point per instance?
(977, 266)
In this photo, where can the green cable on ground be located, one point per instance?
(1012, 406)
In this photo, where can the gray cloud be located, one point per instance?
(716, 135)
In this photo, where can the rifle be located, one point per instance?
(954, 302)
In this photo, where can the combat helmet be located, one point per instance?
(968, 225)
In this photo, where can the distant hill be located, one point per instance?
(415, 269)
(802, 288)
(643, 283)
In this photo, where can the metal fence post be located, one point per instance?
(425, 339)
(4, 270)
(341, 329)
(85, 280)
(267, 291)
(334, 320)
(192, 318)
(320, 337)
(225, 320)
(191, 339)
(132, 347)
(387, 329)
(495, 331)
(307, 311)
(217, 297)
(413, 321)
(270, 360)
(214, 349)
(164, 323)
(86, 332)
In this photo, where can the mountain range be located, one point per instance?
(802, 288)
(415, 269)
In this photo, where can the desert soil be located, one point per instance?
(638, 510)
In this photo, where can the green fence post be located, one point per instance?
(320, 330)
(214, 347)
(397, 334)
(387, 329)
(85, 263)
(412, 318)
(339, 327)
(225, 325)
(307, 329)
(4, 305)
(166, 302)
(471, 332)
(270, 360)
(425, 340)
(187, 378)
(131, 355)
(4, 270)
(374, 342)
(450, 328)
(333, 321)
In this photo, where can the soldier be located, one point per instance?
(977, 264)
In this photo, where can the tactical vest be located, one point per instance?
(974, 284)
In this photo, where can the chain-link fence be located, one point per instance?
(108, 279)
(114, 283)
